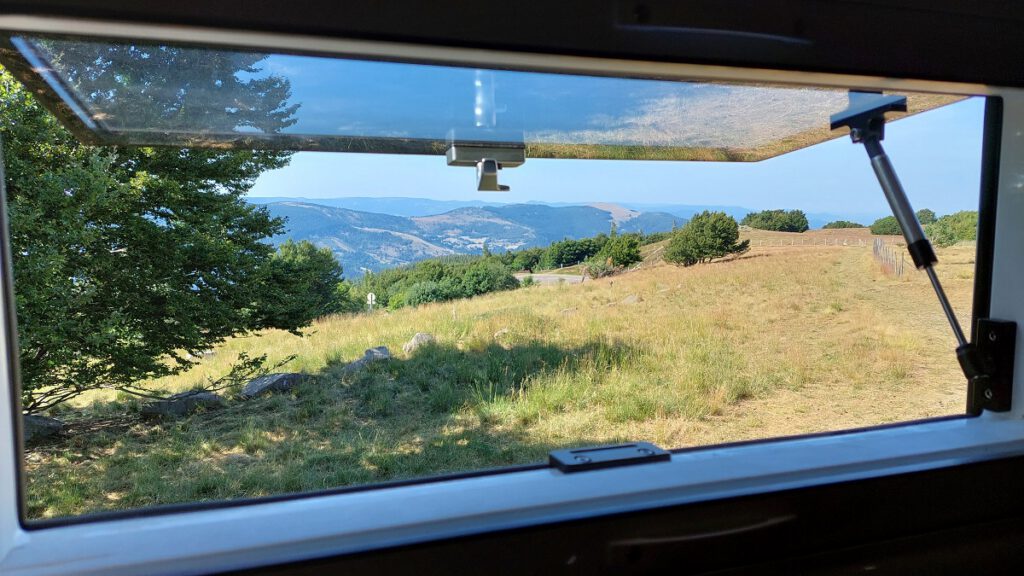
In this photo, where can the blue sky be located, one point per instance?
(937, 155)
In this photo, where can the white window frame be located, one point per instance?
(256, 533)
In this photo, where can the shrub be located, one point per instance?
(598, 267)
(706, 236)
(623, 250)
(655, 237)
(953, 228)
(925, 216)
(777, 220)
(887, 226)
(487, 276)
(842, 224)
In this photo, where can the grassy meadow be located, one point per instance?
(781, 340)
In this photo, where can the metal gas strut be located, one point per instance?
(988, 364)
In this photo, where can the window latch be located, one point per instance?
(592, 458)
(988, 365)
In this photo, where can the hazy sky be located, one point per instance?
(937, 155)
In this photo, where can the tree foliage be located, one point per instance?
(622, 250)
(435, 280)
(571, 252)
(887, 226)
(777, 220)
(953, 228)
(299, 282)
(128, 261)
(842, 224)
(706, 236)
(925, 216)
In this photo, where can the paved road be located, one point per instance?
(553, 278)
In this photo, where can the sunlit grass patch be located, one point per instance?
(782, 341)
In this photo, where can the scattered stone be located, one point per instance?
(500, 333)
(182, 404)
(38, 427)
(280, 382)
(419, 340)
(370, 356)
(631, 299)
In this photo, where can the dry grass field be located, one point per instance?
(781, 340)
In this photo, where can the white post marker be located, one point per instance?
(371, 299)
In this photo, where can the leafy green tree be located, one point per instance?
(569, 252)
(528, 260)
(777, 220)
(887, 226)
(299, 283)
(622, 250)
(486, 276)
(706, 236)
(428, 291)
(129, 261)
(842, 224)
(925, 216)
(346, 299)
(953, 228)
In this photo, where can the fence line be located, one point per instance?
(813, 241)
(892, 258)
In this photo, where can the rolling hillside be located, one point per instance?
(374, 241)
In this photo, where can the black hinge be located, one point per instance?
(992, 387)
(579, 459)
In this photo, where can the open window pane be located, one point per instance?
(147, 94)
(350, 319)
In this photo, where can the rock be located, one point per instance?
(419, 340)
(631, 299)
(182, 404)
(280, 382)
(501, 333)
(38, 427)
(370, 356)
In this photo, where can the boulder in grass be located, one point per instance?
(39, 427)
(182, 404)
(419, 340)
(631, 299)
(369, 357)
(280, 382)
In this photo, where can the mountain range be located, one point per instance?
(403, 206)
(373, 241)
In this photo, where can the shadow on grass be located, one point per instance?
(443, 410)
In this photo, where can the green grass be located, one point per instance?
(779, 341)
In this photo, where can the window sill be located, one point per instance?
(314, 526)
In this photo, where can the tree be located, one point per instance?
(925, 216)
(622, 250)
(777, 220)
(706, 236)
(129, 261)
(299, 283)
(953, 228)
(842, 224)
(486, 276)
(887, 226)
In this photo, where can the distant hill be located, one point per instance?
(394, 205)
(373, 241)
